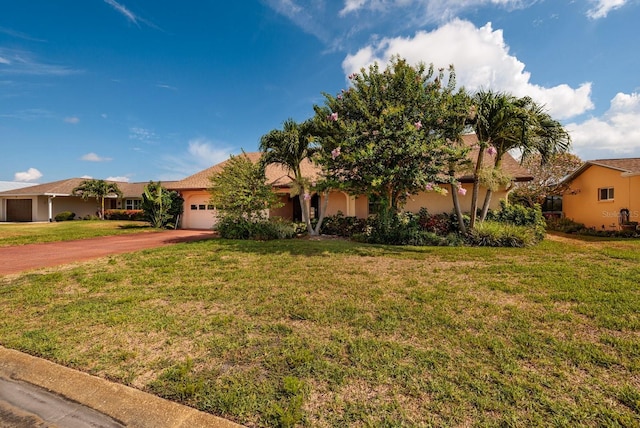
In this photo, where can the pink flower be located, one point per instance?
(307, 196)
(462, 191)
(418, 125)
(313, 184)
(491, 151)
(339, 97)
(335, 153)
(352, 76)
(428, 187)
(333, 117)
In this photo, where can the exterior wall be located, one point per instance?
(580, 203)
(436, 203)
(285, 211)
(40, 206)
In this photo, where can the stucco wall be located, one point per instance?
(580, 203)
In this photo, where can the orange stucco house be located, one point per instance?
(200, 214)
(604, 193)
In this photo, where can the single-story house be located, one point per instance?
(43, 201)
(200, 214)
(604, 193)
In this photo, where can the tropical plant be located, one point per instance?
(99, 189)
(502, 123)
(290, 147)
(161, 207)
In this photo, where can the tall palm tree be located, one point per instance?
(289, 147)
(503, 123)
(98, 189)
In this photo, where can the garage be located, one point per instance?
(19, 210)
(198, 213)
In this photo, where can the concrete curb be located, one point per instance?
(129, 406)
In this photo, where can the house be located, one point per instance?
(43, 201)
(200, 214)
(604, 193)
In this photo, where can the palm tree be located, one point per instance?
(504, 122)
(289, 147)
(98, 189)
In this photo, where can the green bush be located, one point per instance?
(342, 225)
(495, 234)
(564, 225)
(65, 216)
(230, 227)
(519, 215)
(133, 215)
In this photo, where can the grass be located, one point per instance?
(33, 233)
(334, 333)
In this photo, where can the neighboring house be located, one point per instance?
(604, 193)
(43, 201)
(200, 214)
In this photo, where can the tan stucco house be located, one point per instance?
(43, 201)
(200, 214)
(604, 193)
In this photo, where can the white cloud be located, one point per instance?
(602, 8)
(430, 10)
(87, 177)
(482, 60)
(615, 132)
(24, 62)
(72, 120)
(123, 10)
(201, 153)
(31, 174)
(142, 134)
(92, 157)
(120, 178)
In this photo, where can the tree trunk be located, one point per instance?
(476, 187)
(102, 208)
(456, 206)
(485, 205)
(325, 204)
(305, 211)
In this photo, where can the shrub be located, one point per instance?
(341, 225)
(519, 215)
(133, 215)
(495, 234)
(263, 230)
(440, 224)
(403, 229)
(65, 216)
(565, 225)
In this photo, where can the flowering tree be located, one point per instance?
(547, 177)
(98, 189)
(393, 133)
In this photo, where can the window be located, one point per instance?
(202, 207)
(210, 207)
(132, 204)
(605, 194)
(194, 207)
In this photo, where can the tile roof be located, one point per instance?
(65, 188)
(630, 165)
(278, 176)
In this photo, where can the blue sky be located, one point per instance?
(141, 90)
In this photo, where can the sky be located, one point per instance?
(139, 90)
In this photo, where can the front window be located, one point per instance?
(605, 194)
(132, 204)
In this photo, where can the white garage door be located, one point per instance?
(198, 214)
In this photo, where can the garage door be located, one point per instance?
(198, 214)
(19, 210)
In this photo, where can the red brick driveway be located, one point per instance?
(26, 257)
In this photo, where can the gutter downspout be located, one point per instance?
(50, 199)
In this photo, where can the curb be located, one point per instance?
(129, 406)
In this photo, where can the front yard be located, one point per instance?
(335, 333)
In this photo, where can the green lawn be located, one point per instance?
(32, 233)
(334, 333)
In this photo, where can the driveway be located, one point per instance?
(21, 258)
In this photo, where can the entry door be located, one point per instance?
(19, 210)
